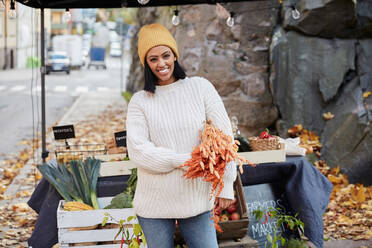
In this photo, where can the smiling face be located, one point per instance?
(161, 62)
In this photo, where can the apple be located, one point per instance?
(231, 209)
(217, 211)
(235, 216)
(224, 217)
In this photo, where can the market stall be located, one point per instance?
(308, 199)
(306, 189)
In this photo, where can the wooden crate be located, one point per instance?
(234, 229)
(271, 156)
(69, 221)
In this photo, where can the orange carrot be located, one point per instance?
(209, 159)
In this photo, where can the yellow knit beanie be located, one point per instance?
(155, 35)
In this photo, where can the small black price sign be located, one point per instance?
(121, 138)
(64, 132)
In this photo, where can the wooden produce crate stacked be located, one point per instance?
(83, 229)
(236, 229)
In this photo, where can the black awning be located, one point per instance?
(62, 4)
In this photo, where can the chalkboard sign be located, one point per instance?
(121, 138)
(264, 196)
(64, 132)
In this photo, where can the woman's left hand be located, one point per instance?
(223, 202)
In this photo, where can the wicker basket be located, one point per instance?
(258, 144)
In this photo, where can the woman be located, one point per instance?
(163, 121)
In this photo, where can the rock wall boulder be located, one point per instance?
(329, 18)
(312, 76)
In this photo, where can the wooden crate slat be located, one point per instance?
(98, 246)
(94, 235)
(67, 219)
(233, 233)
(116, 168)
(258, 157)
(234, 224)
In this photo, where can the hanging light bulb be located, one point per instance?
(296, 14)
(230, 21)
(12, 11)
(143, 2)
(67, 16)
(175, 18)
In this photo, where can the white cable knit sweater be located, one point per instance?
(162, 131)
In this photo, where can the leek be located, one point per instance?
(77, 182)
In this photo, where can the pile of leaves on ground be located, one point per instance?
(17, 224)
(349, 213)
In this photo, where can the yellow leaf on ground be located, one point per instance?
(38, 176)
(334, 179)
(24, 157)
(357, 193)
(344, 220)
(367, 94)
(335, 171)
(328, 116)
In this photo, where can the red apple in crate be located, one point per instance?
(217, 210)
(231, 209)
(235, 216)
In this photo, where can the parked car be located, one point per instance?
(115, 49)
(57, 61)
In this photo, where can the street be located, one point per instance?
(20, 101)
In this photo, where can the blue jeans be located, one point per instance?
(197, 231)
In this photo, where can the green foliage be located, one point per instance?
(133, 240)
(121, 200)
(33, 62)
(295, 243)
(291, 222)
(127, 96)
(124, 199)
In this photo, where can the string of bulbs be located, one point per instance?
(230, 21)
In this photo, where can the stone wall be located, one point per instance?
(322, 63)
(270, 68)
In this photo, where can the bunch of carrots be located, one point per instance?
(209, 159)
